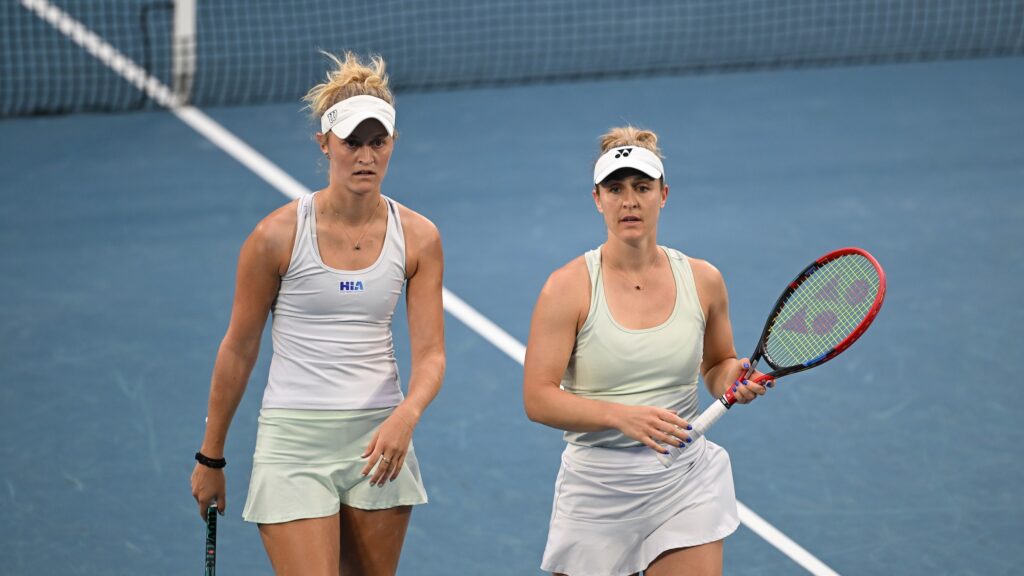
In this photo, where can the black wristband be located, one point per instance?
(210, 462)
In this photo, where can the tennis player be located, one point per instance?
(334, 472)
(618, 339)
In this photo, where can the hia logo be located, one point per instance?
(354, 286)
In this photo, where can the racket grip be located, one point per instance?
(211, 540)
(700, 427)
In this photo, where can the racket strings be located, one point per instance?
(824, 309)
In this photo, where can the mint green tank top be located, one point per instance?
(656, 366)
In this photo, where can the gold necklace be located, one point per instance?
(366, 226)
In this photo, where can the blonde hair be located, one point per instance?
(351, 77)
(630, 136)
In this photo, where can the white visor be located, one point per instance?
(343, 117)
(634, 157)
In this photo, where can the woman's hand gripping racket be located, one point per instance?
(821, 313)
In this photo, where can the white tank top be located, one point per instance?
(656, 366)
(333, 348)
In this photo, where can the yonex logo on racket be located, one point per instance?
(623, 152)
(822, 323)
(353, 286)
(826, 297)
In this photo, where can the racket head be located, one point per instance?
(824, 310)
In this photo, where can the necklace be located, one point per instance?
(366, 226)
(637, 284)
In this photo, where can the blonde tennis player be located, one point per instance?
(334, 472)
(618, 339)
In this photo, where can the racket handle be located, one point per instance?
(700, 427)
(211, 540)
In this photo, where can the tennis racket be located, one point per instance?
(211, 540)
(824, 310)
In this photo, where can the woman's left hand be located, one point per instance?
(386, 452)
(746, 391)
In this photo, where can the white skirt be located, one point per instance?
(617, 509)
(308, 463)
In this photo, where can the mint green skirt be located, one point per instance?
(307, 464)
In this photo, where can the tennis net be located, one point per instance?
(257, 51)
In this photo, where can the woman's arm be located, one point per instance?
(720, 367)
(257, 281)
(425, 313)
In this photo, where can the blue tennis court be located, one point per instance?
(120, 232)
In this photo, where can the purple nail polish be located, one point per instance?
(688, 427)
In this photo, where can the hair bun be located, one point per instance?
(350, 77)
(629, 136)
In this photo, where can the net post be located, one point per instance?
(183, 50)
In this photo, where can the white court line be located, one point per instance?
(771, 534)
(239, 150)
(291, 188)
(480, 324)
